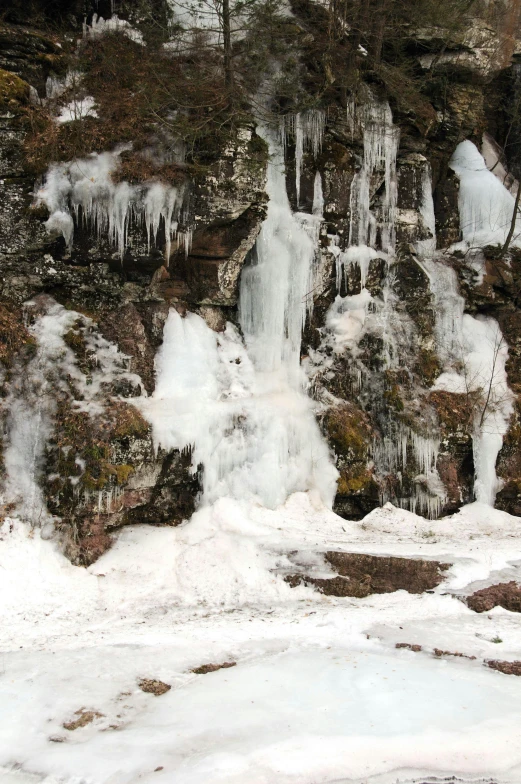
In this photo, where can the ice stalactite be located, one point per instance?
(367, 226)
(84, 190)
(372, 232)
(240, 406)
(391, 455)
(308, 130)
(486, 207)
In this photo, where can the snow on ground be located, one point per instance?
(319, 692)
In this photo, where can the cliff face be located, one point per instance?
(401, 307)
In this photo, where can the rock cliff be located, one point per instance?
(404, 295)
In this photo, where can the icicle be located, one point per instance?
(308, 129)
(380, 149)
(360, 256)
(86, 189)
(318, 196)
(299, 153)
(391, 456)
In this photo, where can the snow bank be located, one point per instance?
(300, 716)
(311, 698)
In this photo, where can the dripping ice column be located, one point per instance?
(275, 289)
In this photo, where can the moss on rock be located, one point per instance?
(348, 431)
(14, 335)
(14, 92)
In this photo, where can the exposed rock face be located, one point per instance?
(389, 430)
(362, 575)
(507, 595)
(506, 667)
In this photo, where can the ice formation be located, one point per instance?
(483, 354)
(308, 130)
(83, 190)
(318, 196)
(372, 227)
(346, 320)
(32, 401)
(241, 408)
(367, 226)
(356, 255)
(77, 110)
(372, 237)
(426, 248)
(471, 348)
(100, 26)
(391, 454)
(486, 207)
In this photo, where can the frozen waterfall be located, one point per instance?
(472, 349)
(240, 406)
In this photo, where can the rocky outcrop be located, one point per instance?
(506, 667)
(507, 595)
(361, 575)
(389, 430)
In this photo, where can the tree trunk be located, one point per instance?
(227, 42)
(512, 222)
(379, 23)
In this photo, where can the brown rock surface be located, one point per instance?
(206, 668)
(157, 688)
(506, 667)
(507, 595)
(362, 575)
